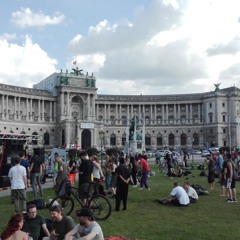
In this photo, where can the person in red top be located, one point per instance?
(145, 170)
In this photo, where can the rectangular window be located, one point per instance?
(224, 118)
(223, 104)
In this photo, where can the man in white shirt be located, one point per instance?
(177, 197)
(191, 192)
(87, 228)
(18, 178)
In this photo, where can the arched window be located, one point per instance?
(124, 120)
(159, 119)
(124, 138)
(63, 137)
(183, 140)
(171, 139)
(195, 139)
(148, 140)
(46, 138)
(113, 139)
(159, 140)
(34, 141)
(171, 119)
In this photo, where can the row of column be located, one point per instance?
(66, 104)
(23, 107)
(153, 112)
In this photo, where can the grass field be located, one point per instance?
(211, 218)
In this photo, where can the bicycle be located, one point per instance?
(99, 204)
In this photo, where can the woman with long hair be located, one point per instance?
(13, 229)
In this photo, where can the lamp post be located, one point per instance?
(101, 136)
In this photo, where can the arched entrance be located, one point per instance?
(86, 139)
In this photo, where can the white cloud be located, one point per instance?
(24, 65)
(170, 45)
(27, 18)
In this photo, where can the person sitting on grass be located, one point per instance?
(87, 228)
(177, 197)
(191, 192)
(61, 224)
(13, 229)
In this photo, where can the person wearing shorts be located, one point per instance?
(230, 179)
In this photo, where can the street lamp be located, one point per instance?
(102, 136)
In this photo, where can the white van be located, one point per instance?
(50, 167)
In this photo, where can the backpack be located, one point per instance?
(40, 204)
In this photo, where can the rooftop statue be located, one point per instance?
(77, 71)
(217, 86)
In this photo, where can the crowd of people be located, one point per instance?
(118, 172)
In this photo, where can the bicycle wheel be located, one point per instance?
(100, 207)
(65, 202)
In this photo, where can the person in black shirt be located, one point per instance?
(36, 170)
(123, 177)
(85, 174)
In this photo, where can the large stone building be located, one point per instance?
(66, 109)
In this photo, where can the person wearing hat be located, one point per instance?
(61, 224)
(87, 228)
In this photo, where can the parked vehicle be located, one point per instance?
(205, 153)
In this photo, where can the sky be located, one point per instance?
(148, 47)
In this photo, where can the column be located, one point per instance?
(88, 105)
(31, 113)
(187, 114)
(191, 114)
(50, 111)
(105, 113)
(97, 112)
(54, 111)
(167, 114)
(7, 114)
(68, 105)
(174, 114)
(19, 108)
(93, 106)
(155, 113)
(116, 114)
(139, 112)
(43, 107)
(199, 113)
(152, 121)
(3, 107)
(131, 111)
(15, 113)
(163, 114)
(39, 114)
(109, 113)
(62, 103)
(27, 109)
(120, 114)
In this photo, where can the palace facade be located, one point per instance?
(65, 108)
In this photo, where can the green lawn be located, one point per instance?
(210, 218)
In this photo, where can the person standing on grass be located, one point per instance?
(97, 173)
(144, 171)
(18, 179)
(211, 171)
(230, 179)
(34, 223)
(62, 173)
(123, 177)
(36, 171)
